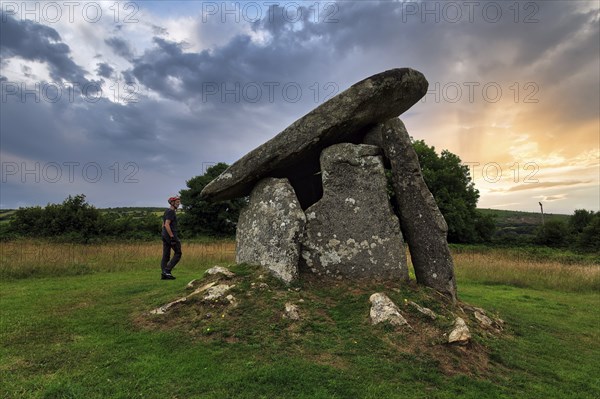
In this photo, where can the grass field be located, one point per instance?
(74, 324)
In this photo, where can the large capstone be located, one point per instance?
(269, 229)
(423, 225)
(294, 153)
(352, 231)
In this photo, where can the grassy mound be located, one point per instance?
(334, 321)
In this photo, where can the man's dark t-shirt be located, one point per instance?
(172, 216)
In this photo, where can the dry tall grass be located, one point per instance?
(498, 268)
(20, 259)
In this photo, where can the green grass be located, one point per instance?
(555, 351)
(89, 336)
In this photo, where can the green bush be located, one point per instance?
(589, 238)
(74, 218)
(77, 221)
(553, 233)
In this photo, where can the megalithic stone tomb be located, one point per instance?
(330, 166)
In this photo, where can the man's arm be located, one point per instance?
(168, 228)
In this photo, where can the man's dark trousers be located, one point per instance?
(165, 264)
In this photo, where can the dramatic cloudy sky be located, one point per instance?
(125, 101)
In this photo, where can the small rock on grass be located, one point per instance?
(499, 324)
(260, 286)
(460, 334)
(232, 300)
(384, 310)
(217, 292)
(291, 311)
(220, 270)
(483, 319)
(164, 308)
(426, 311)
(191, 284)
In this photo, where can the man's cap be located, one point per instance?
(173, 199)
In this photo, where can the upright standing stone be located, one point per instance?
(294, 153)
(352, 231)
(269, 229)
(423, 225)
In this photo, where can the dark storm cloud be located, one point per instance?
(552, 44)
(128, 77)
(290, 56)
(120, 47)
(103, 132)
(166, 60)
(104, 70)
(379, 35)
(363, 38)
(36, 42)
(161, 141)
(25, 136)
(171, 137)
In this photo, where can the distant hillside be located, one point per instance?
(519, 225)
(133, 211)
(6, 215)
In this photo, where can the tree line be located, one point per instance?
(75, 220)
(581, 231)
(447, 178)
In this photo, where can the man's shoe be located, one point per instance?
(167, 276)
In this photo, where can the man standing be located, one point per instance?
(170, 240)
